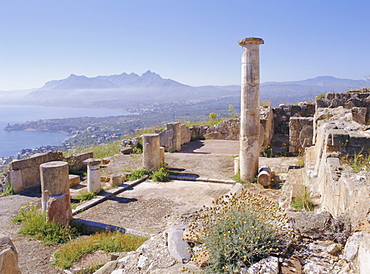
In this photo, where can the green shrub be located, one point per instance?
(358, 162)
(237, 240)
(303, 202)
(85, 196)
(34, 223)
(137, 174)
(8, 189)
(107, 241)
(238, 231)
(161, 175)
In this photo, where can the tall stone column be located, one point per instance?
(151, 152)
(93, 175)
(56, 201)
(250, 109)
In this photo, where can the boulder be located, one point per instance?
(8, 256)
(311, 225)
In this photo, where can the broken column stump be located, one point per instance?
(93, 175)
(56, 201)
(151, 152)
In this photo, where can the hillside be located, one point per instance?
(149, 90)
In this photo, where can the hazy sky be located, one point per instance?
(194, 42)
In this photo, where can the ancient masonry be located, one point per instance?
(250, 109)
(93, 175)
(56, 200)
(151, 152)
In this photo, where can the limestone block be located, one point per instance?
(356, 139)
(8, 256)
(177, 247)
(76, 161)
(309, 224)
(337, 137)
(305, 136)
(176, 138)
(185, 134)
(74, 180)
(58, 209)
(116, 179)
(16, 179)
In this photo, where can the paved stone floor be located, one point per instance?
(148, 205)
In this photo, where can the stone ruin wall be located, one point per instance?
(357, 101)
(25, 173)
(283, 113)
(337, 133)
(174, 136)
(230, 129)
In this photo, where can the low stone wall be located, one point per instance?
(230, 129)
(26, 173)
(76, 161)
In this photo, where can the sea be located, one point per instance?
(11, 142)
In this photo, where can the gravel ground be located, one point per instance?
(34, 258)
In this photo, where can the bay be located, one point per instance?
(11, 142)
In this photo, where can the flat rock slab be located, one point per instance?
(147, 205)
(178, 248)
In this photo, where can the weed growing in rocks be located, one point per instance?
(160, 175)
(137, 174)
(358, 162)
(107, 241)
(34, 223)
(238, 231)
(85, 196)
(8, 189)
(303, 202)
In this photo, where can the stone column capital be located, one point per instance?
(251, 41)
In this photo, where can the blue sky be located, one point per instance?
(194, 42)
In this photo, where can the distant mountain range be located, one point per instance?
(132, 90)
